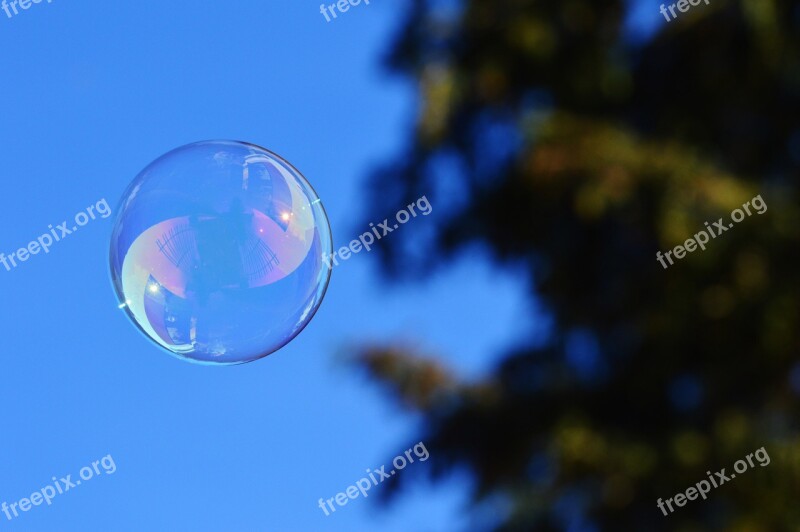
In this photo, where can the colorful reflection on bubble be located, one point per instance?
(216, 252)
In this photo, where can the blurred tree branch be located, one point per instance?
(578, 153)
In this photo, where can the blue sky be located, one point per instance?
(94, 91)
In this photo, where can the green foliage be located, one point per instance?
(608, 152)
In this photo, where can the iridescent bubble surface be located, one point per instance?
(216, 252)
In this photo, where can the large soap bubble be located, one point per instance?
(216, 252)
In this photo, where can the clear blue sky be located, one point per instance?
(93, 91)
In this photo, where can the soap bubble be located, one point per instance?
(216, 252)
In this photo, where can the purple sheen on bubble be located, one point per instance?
(216, 252)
